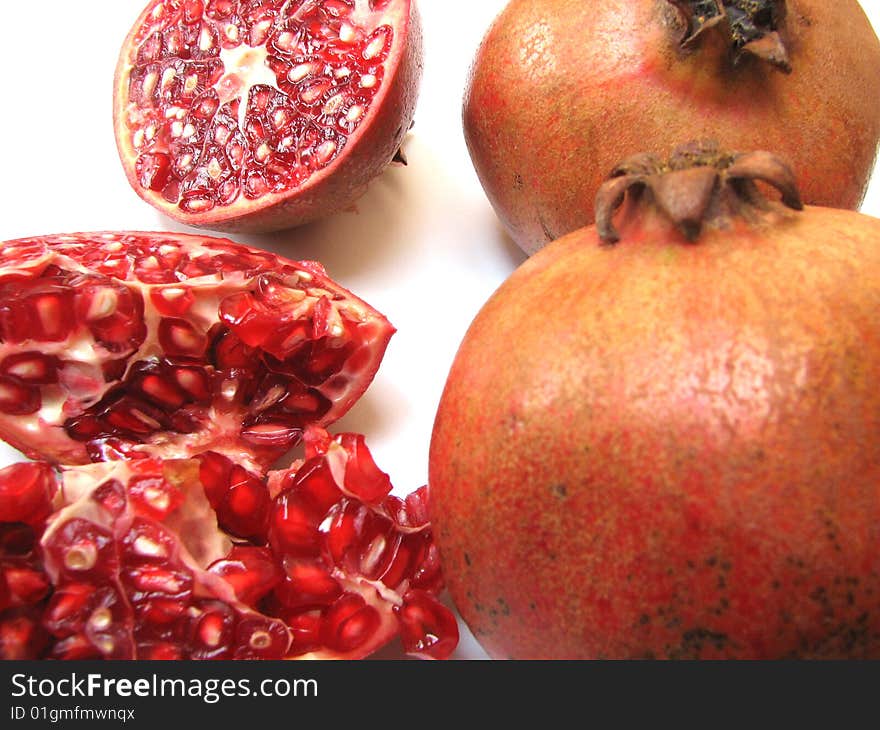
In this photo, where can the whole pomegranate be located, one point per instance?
(561, 90)
(661, 435)
(259, 115)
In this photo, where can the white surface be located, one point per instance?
(424, 246)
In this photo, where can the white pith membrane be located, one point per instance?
(303, 296)
(108, 536)
(252, 102)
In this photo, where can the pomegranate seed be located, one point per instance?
(32, 368)
(84, 428)
(65, 614)
(214, 473)
(349, 623)
(18, 398)
(244, 316)
(245, 510)
(229, 352)
(179, 337)
(314, 484)
(16, 538)
(81, 550)
(53, 315)
(161, 392)
(154, 497)
(153, 170)
(93, 618)
(428, 629)
(132, 415)
(113, 313)
(194, 382)
(21, 637)
(75, 648)
(305, 629)
(349, 524)
(362, 477)
(307, 584)
(398, 561)
(213, 631)
(159, 579)
(261, 638)
(251, 571)
(114, 369)
(147, 541)
(427, 574)
(157, 264)
(100, 619)
(278, 434)
(219, 9)
(26, 492)
(293, 526)
(158, 612)
(310, 405)
(312, 362)
(6, 598)
(172, 301)
(412, 513)
(26, 585)
(160, 651)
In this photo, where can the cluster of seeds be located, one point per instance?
(245, 98)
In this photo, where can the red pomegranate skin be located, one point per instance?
(670, 450)
(561, 90)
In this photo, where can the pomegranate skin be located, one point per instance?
(561, 90)
(670, 450)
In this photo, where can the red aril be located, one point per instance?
(135, 563)
(26, 492)
(24, 585)
(129, 344)
(264, 114)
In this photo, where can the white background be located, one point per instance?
(424, 246)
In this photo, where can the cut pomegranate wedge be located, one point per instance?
(127, 345)
(136, 565)
(264, 114)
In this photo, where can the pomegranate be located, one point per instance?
(264, 114)
(561, 90)
(123, 345)
(660, 437)
(133, 564)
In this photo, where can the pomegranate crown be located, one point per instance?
(752, 27)
(684, 187)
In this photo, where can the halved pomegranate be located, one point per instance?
(264, 114)
(140, 568)
(126, 345)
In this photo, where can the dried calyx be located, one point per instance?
(752, 26)
(699, 183)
